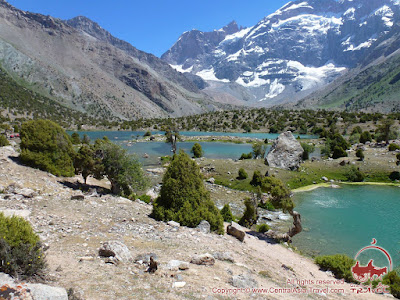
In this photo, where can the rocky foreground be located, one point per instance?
(192, 263)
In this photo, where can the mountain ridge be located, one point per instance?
(89, 74)
(291, 53)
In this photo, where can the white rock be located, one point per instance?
(179, 284)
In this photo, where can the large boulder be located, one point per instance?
(286, 152)
(117, 250)
(236, 230)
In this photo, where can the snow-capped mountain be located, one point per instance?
(289, 54)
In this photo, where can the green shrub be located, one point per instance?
(365, 137)
(280, 194)
(356, 130)
(242, 174)
(259, 149)
(354, 138)
(75, 138)
(165, 159)
(20, 248)
(3, 141)
(183, 196)
(267, 205)
(394, 147)
(249, 217)
(86, 163)
(246, 156)
(123, 170)
(262, 228)
(226, 213)
(393, 281)
(308, 148)
(46, 146)
(197, 150)
(147, 133)
(257, 178)
(354, 175)
(339, 264)
(395, 175)
(360, 154)
(338, 152)
(145, 198)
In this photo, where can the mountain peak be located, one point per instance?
(231, 28)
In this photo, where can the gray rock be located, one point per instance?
(179, 284)
(204, 259)
(286, 152)
(211, 180)
(116, 249)
(236, 230)
(173, 224)
(324, 178)
(45, 292)
(27, 193)
(204, 227)
(78, 197)
(224, 256)
(243, 281)
(175, 265)
(33, 291)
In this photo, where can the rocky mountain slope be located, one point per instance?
(75, 225)
(88, 69)
(373, 85)
(289, 54)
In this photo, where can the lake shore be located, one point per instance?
(320, 185)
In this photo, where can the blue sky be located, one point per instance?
(154, 25)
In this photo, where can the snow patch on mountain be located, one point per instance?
(209, 74)
(299, 5)
(275, 89)
(180, 68)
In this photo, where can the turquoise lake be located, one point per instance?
(216, 150)
(346, 220)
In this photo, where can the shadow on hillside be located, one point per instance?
(16, 159)
(86, 188)
(262, 237)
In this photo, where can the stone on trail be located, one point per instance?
(236, 230)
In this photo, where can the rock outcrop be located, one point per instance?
(285, 153)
